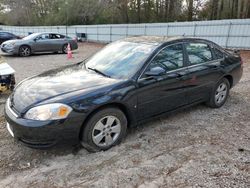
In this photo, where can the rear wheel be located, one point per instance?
(104, 129)
(24, 51)
(65, 48)
(220, 94)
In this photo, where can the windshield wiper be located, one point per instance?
(99, 72)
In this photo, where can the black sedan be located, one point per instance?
(5, 36)
(126, 83)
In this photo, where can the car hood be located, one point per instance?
(55, 83)
(12, 41)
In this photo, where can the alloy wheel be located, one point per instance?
(221, 93)
(24, 51)
(65, 49)
(106, 131)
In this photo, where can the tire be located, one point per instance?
(219, 94)
(24, 51)
(65, 48)
(98, 133)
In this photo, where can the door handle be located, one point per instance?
(177, 75)
(213, 66)
(181, 74)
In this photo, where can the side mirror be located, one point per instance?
(155, 71)
(35, 39)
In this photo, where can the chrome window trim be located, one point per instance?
(139, 78)
(188, 67)
(205, 63)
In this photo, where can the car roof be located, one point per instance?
(158, 40)
(40, 33)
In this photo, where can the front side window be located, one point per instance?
(170, 58)
(198, 53)
(43, 37)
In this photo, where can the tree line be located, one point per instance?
(81, 12)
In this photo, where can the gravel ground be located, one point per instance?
(197, 147)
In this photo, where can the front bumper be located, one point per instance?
(42, 134)
(12, 50)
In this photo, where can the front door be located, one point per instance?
(43, 43)
(167, 91)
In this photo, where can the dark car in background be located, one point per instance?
(5, 36)
(126, 83)
(39, 42)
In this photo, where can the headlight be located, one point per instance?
(52, 111)
(10, 45)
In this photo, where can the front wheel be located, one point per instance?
(24, 51)
(104, 129)
(220, 94)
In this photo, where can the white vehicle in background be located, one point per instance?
(7, 78)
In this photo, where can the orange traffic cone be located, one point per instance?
(69, 52)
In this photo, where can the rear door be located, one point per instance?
(168, 91)
(57, 41)
(204, 69)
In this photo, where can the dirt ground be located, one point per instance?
(197, 147)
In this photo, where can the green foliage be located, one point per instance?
(74, 12)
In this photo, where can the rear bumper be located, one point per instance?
(74, 46)
(43, 134)
(237, 74)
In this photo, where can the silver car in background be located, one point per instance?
(39, 42)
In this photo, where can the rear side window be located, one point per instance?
(170, 58)
(198, 53)
(218, 54)
(56, 36)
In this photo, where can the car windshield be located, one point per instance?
(32, 36)
(120, 60)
